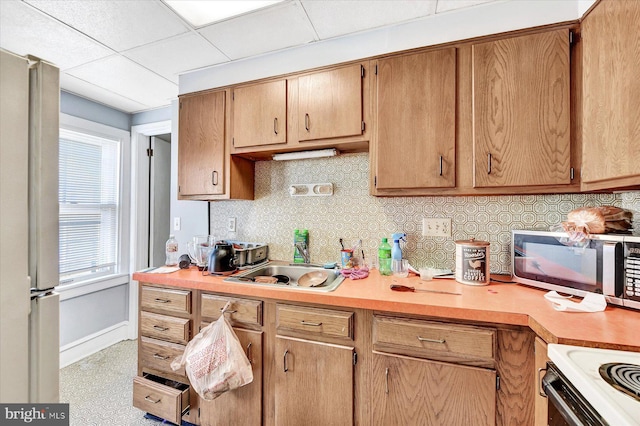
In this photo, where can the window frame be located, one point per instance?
(121, 274)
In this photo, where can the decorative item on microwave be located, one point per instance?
(584, 221)
(598, 220)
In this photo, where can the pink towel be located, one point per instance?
(355, 274)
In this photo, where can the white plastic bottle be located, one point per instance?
(172, 251)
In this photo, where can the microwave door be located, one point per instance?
(543, 261)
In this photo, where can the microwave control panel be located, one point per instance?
(632, 270)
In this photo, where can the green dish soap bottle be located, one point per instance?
(384, 258)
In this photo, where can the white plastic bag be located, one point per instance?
(215, 361)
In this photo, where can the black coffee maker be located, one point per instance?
(222, 260)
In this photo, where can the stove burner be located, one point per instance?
(623, 377)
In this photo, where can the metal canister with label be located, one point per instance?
(472, 262)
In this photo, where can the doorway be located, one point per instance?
(159, 154)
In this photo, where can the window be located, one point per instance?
(91, 207)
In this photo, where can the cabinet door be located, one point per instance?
(611, 93)
(521, 111)
(330, 103)
(541, 404)
(260, 114)
(314, 383)
(411, 391)
(242, 406)
(416, 120)
(201, 137)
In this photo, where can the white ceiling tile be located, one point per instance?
(126, 78)
(98, 94)
(448, 5)
(119, 24)
(263, 31)
(332, 18)
(24, 30)
(176, 55)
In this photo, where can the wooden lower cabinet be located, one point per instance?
(242, 406)
(314, 383)
(412, 391)
(541, 404)
(325, 365)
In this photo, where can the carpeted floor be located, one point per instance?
(99, 388)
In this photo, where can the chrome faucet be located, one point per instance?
(304, 251)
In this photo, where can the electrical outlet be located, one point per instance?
(436, 227)
(176, 223)
(231, 224)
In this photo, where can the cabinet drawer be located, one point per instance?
(164, 327)
(161, 397)
(158, 355)
(245, 312)
(448, 342)
(314, 321)
(166, 300)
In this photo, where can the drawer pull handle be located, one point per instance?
(163, 300)
(275, 125)
(158, 356)
(306, 122)
(424, 339)
(249, 353)
(157, 327)
(441, 165)
(539, 384)
(228, 311)
(148, 398)
(386, 381)
(489, 164)
(286, 367)
(315, 324)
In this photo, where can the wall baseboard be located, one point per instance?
(75, 351)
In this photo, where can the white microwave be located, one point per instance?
(607, 264)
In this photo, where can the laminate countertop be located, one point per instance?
(497, 303)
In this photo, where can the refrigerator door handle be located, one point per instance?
(36, 292)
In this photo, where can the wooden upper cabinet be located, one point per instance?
(201, 144)
(260, 114)
(611, 96)
(330, 103)
(521, 111)
(416, 121)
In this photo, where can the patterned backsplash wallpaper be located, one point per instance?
(352, 214)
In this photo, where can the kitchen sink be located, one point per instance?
(294, 272)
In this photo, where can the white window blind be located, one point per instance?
(89, 199)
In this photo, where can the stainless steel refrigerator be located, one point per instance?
(29, 306)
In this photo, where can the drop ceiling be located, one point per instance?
(128, 54)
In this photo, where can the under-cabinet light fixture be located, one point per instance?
(301, 155)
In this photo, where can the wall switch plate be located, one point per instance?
(176, 223)
(231, 224)
(436, 227)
